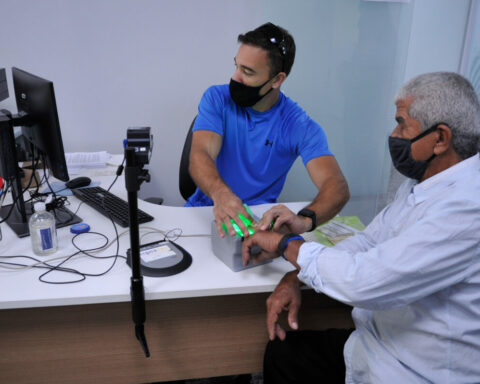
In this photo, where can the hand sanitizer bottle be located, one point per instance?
(42, 230)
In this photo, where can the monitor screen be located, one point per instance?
(3, 85)
(8, 165)
(37, 115)
(8, 155)
(36, 98)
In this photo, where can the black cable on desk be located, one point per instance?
(86, 251)
(60, 268)
(43, 265)
(171, 234)
(21, 192)
(117, 174)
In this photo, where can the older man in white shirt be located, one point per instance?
(412, 276)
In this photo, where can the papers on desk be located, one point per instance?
(76, 161)
(335, 230)
(115, 160)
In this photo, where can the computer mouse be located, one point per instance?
(78, 182)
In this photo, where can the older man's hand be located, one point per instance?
(260, 246)
(285, 297)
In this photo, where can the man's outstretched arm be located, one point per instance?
(333, 192)
(332, 195)
(203, 169)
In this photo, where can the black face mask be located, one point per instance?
(244, 95)
(401, 153)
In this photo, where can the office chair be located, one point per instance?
(185, 182)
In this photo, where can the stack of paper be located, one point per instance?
(335, 230)
(79, 160)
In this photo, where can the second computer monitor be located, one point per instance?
(35, 98)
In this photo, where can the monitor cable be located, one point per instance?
(16, 201)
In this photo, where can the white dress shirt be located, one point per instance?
(413, 276)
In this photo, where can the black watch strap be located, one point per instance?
(305, 212)
(282, 245)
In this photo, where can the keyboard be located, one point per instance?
(109, 205)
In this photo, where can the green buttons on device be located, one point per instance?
(248, 223)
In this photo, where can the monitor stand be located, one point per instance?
(63, 218)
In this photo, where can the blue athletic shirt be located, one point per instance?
(258, 148)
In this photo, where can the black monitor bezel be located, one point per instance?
(35, 98)
(3, 84)
(43, 130)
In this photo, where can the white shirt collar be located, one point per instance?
(448, 176)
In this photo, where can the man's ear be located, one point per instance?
(444, 139)
(279, 79)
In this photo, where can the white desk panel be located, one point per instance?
(207, 276)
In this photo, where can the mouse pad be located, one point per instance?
(59, 188)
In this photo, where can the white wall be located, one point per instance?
(470, 65)
(437, 35)
(121, 63)
(353, 57)
(436, 42)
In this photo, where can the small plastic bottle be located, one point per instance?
(42, 231)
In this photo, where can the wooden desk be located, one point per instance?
(206, 321)
(188, 338)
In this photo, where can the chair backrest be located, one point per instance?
(185, 182)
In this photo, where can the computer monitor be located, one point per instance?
(36, 98)
(3, 85)
(8, 169)
(38, 117)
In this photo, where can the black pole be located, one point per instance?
(134, 176)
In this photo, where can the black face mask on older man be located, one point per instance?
(401, 153)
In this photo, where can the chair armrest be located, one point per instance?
(154, 200)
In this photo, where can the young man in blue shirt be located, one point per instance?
(248, 134)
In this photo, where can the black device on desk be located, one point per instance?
(161, 258)
(78, 182)
(38, 117)
(109, 205)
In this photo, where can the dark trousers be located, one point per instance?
(306, 357)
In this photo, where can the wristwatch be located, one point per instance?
(305, 212)
(282, 245)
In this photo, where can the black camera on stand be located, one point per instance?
(141, 140)
(138, 150)
(171, 257)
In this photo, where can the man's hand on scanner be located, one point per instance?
(280, 218)
(227, 207)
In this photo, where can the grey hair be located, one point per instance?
(446, 97)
